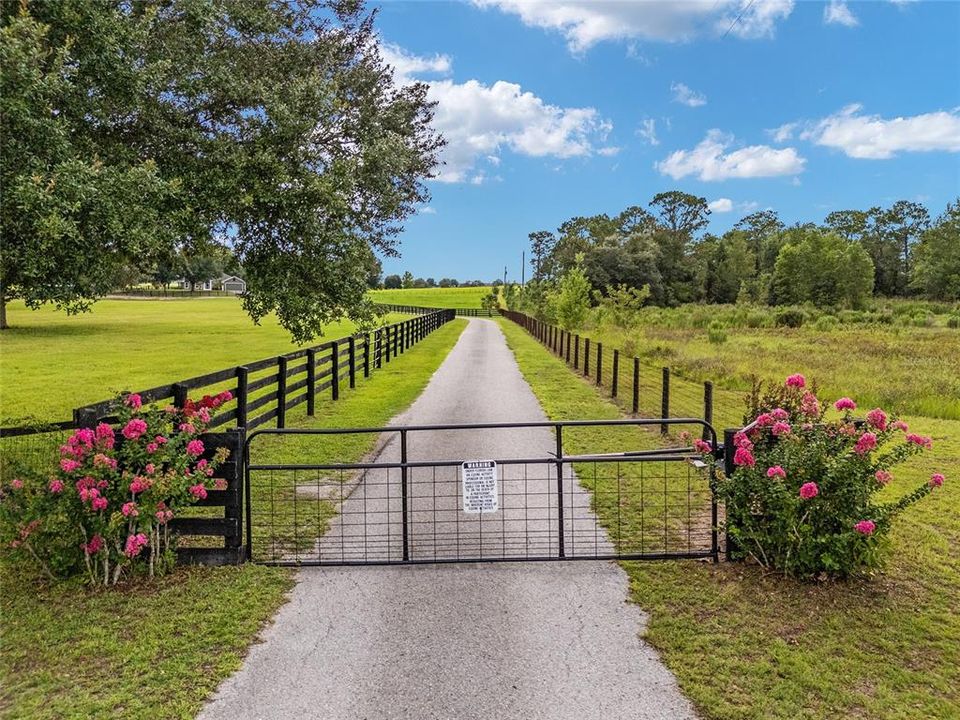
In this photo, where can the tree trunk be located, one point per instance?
(3, 312)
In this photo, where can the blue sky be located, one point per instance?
(564, 108)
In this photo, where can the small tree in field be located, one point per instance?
(570, 301)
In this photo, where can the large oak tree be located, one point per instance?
(135, 129)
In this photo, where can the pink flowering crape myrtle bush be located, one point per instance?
(802, 499)
(105, 509)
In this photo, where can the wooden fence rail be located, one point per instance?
(587, 359)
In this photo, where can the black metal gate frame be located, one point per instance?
(559, 459)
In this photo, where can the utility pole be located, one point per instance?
(523, 269)
(504, 275)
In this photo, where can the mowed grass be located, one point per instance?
(748, 645)
(51, 363)
(458, 297)
(158, 649)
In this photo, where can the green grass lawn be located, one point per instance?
(746, 645)
(458, 297)
(159, 649)
(51, 362)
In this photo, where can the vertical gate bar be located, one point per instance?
(242, 393)
(311, 380)
(335, 370)
(599, 364)
(586, 357)
(707, 408)
(636, 386)
(665, 399)
(616, 373)
(562, 549)
(366, 355)
(281, 392)
(403, 493)
(353, 362)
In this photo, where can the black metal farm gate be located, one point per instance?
(398, 507)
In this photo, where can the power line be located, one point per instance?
(737, 18)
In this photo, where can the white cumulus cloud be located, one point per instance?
(585, 23)
(837, 12)
(710, 160)
(721, 205)
(876, 138)
(685, 96)
(479, 120)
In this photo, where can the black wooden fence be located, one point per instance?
(266, 389)
(460, 312)
(263, 391)
(642, 390)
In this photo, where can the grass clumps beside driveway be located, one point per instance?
(158, 649)
(153, 650)
(747, 645)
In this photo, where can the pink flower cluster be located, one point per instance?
(936, 480)
(845, 403)
(134, 429)
(195, 448)
(199, 491)
(809, 490)
(163, 514)
(877, 418)
(702, 446)
(920, 440)
(866, 443)
(865, 527)
(95, 545)
(797, 381)
(135, 544)
(776, 472)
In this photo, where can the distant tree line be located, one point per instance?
(407, 281)
(842, 262)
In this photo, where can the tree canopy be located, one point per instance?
(132, 131)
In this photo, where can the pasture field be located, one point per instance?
(748, 645)
(51, 362)
(905, 368)
(458, 297)
(158, 649)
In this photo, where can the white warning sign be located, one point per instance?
(479, 478)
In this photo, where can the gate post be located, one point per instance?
(707, 407)
(636, 386)
(311, 380)
(599, 364)
(731, 549)
(576, 353)
(586, 357)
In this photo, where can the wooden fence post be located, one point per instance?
(387, 344)
(281, 391)
(636, 386)
(353, 362)
(586, 356)
(599, 364)
(311, 380)
(180, 395)
(366, 355)
(665, 400)
(576, 353)
(242, 396)
(568, 348)
(616, 372)
(707, 407)
(335, 371)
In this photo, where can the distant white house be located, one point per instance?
(228, 283)
(232, 284)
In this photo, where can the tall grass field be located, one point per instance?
(458, 297)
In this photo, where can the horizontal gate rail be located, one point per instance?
(602, 506)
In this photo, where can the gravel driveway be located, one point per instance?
(484, 641)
